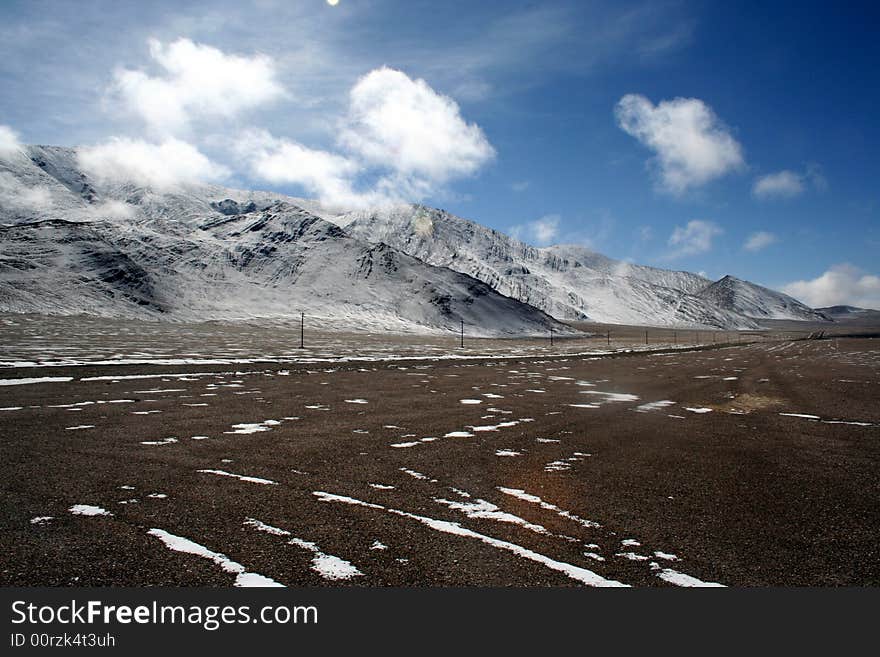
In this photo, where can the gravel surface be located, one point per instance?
(761, 470)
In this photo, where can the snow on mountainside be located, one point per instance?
(568, 282)
(756, 301)
(75, 244)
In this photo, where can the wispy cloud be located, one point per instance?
(9, 142)
(842, 284)
(783, 184)
(788, 184)
(691, 144)
(759, 241)
(541, 232)
(694, 238)
(21, 198)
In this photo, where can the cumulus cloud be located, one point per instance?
(161, 165)
(196, 81)
(398, 132)
(540, 232)
(9, 143)
(842, 284)
(692, 145)
(759, 240)
(695, 238)
(403, 124)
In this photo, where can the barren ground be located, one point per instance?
(527, 471)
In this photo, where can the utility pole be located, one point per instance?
(302, 330)
(646, 337)
(609, 338)
(551, 336)
(462, 334)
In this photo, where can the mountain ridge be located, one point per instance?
(77, 242)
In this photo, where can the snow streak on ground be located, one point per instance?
(242, 577)
(326, 565)
(577, 573)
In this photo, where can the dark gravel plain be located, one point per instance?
(738, 492)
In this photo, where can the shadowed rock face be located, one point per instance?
(199, 252)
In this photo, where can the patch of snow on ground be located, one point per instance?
(39, 379)
(252, 480)
(653, 406)
(88, 510)
(186, 546)
(326, 565)
(576, 573)
(534, 499)
(484, 510)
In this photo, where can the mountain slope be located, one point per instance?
(756, 301)
(568, 282)
(852, 315)
(75, 242)
(205, 252)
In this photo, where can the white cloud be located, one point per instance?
(783, 184)
(695, 238)
(9, 143)
(113, 209)
(407, 139)
(520, 185)
(18, 197)
(788, 184)
(545, 229)
(692, 146)
(196, 81)
(842, 284)
(540, 232)
(327, 175)
(760, 240)
(161, 165)
(403, 124)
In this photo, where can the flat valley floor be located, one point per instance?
(747, 465)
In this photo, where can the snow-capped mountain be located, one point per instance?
(81, 245)
(76, 242)
(754, 300)
(569, 282)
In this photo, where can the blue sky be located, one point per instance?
(723, 138)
